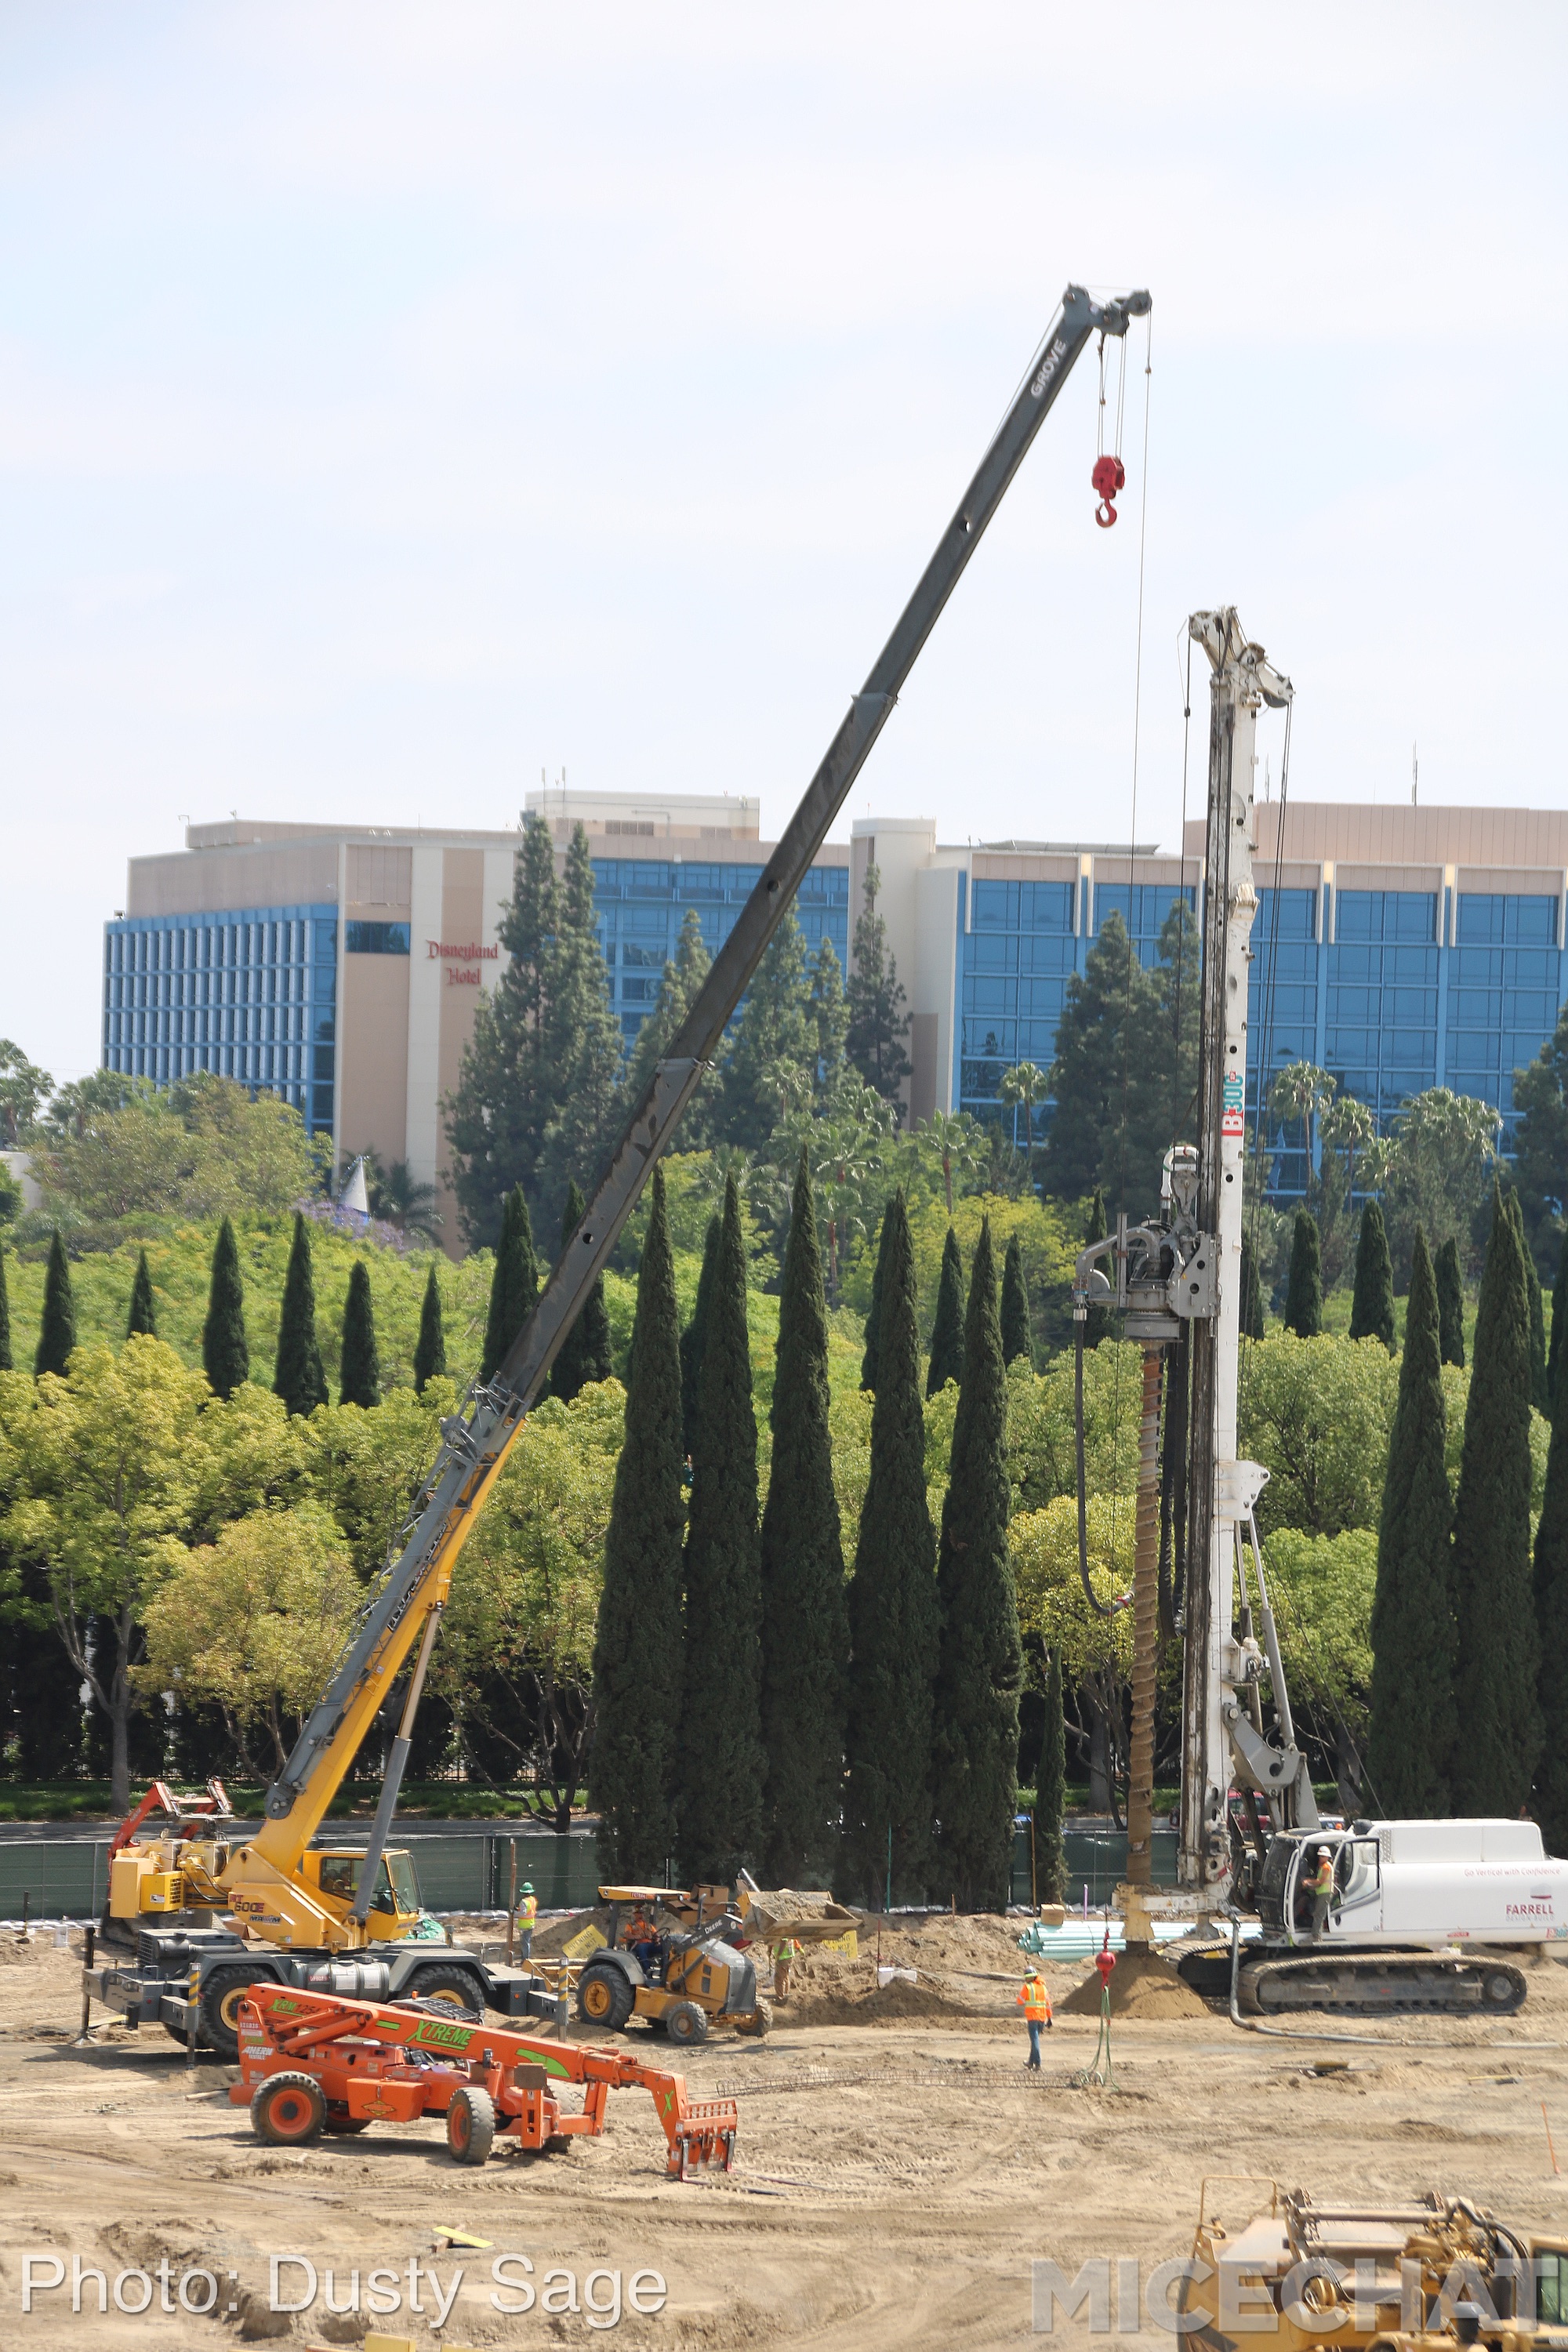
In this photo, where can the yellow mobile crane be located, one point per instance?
(340, 1921)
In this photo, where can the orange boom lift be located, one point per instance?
(315, 2062)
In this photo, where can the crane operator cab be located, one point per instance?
(396, 1914)
(1320, 1887)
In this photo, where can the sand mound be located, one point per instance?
(1141, 1987)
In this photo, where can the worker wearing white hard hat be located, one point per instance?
(1322, 1887)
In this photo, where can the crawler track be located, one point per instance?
(1381, 1984)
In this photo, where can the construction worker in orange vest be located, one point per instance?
(1035, 2001)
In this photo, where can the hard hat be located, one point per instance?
(1323, 1853)
(527, 1887)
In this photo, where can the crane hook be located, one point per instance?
(1109, 476)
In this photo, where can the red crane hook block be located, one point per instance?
(1109, 476)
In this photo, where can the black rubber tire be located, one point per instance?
(289, 2111)
(470, 2125)
(339, 2120)
(222, 1993)
(456, 1988)
(757, 2024)
(604, 1998)
(686, 2024)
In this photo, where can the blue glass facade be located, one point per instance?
(250, 993)
(642, 901)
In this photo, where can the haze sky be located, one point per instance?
(399, 402)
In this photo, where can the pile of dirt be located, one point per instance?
(864, 2003)
(1142, 1987)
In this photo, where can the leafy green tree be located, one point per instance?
(1251, 1293)
(1451, 1304)
(585, 1352)
(1304, 1292)
(1434, 1167)
(1371, 1302)
(947, 1331)
(200, 1148)
(775, 1041)
(361, 1358)
(1559, 1321)
(514, 1284)
(1317, 1413)
(720, 1775)
(830, 1015)
(298, 1377)
(430, 1349)
(141, 1317)
(637, 1662)
(1540, 1142)
(1125, 1066)
(113, 1454)
(1497, 1734)
(1414, 1716)
(878, 1023)
(397, 1197)
(974, 1728)
(683, 976)
(1017, 1340)
(873, 1312)
(5, 1364)
(1551, 1588)
(25, 1089)
(805, 1625)
(226, 1351)
(507, 1091)
(893, 1620)
(57, 1334)
(1050, 1793)
(694, 1338)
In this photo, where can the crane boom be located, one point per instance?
(403, 1605)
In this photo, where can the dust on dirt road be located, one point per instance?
(896, 2168)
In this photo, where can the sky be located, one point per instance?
(399, 404)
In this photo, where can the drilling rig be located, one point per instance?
(1408, 1897)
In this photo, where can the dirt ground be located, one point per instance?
(896, 2168)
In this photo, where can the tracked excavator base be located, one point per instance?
(1360, 1984)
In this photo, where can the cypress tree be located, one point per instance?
(1097, 1322)
(947, 1331)
(1538, 1389)
(1552, 1620)
(805, 1624)
(1251, 1293)
(1016, 1337)
(721, 1814)
(430, 1348)
(226, 1352)
(1050, 1794)
(1304, 1295)
(514, 1284)
(361, 1359)
(57, 1334)
(1451, 1303)
(637, 1643)
(1413, 1715)
(1559, 1319)
(892, 1612)
(975, 1735)
(869, 1361)
(298, 1377)
(695, 1334)
(1372, 1300)
(5, 1364)
(584, 1353)
(1498, 1730)
(142, 1317)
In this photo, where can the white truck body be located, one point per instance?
(1439, 1883)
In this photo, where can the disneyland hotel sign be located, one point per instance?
(462, 963)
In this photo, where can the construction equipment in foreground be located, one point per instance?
(1407, 1896)
(1294, 2273)
(291, 1924)
(312, 2062)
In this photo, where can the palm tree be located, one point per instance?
(1025, 1083)
(957, 1143)
(398, 1198)
(1302, 1091)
